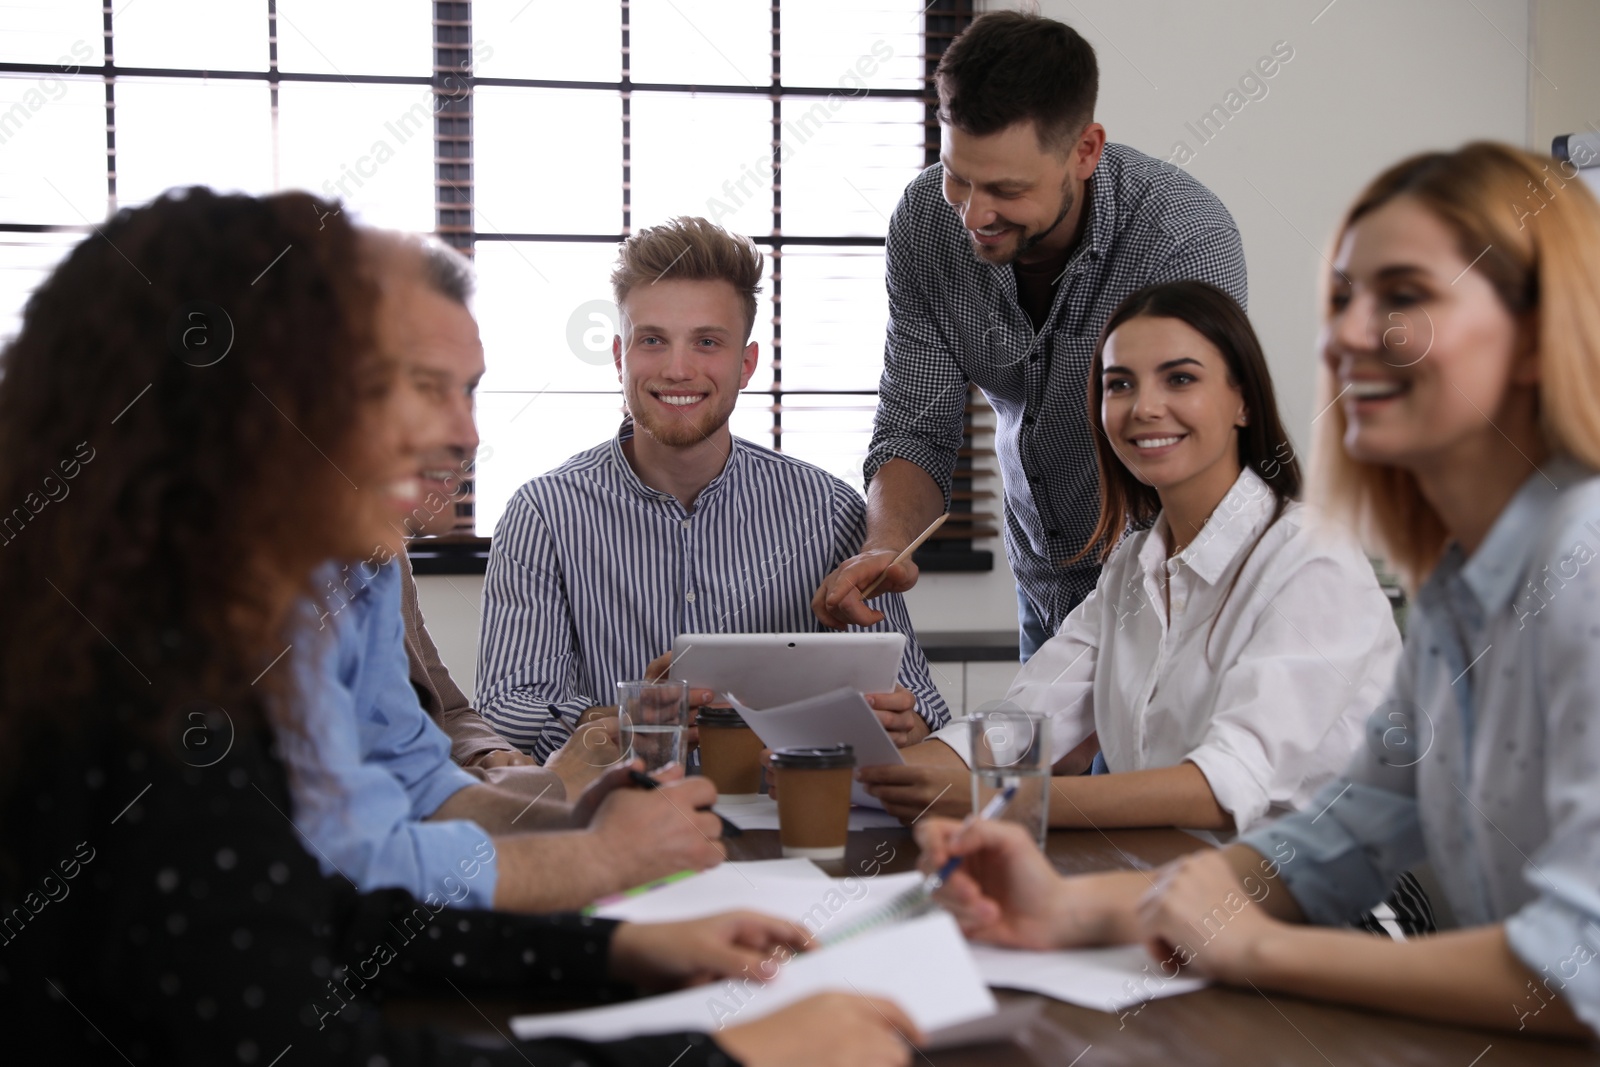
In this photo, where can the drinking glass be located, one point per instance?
(1012, 747)
(654, 721)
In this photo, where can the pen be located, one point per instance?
(991, 810)
(904, 555)
(919, 898)
(644, 781)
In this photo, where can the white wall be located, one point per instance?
(1370, 82)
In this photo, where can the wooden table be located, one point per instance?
(1214, 1026)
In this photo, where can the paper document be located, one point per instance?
(840, 717)
(761, 813)
(923, 965)
(1106, 979)
(819, 904)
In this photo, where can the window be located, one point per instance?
(532, 136)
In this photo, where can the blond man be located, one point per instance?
(673, 525)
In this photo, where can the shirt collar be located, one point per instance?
(1237, 520)
(1496, 568)
(630, 479)
(1097, 232)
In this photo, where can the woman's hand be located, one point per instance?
(826, 1030)
(1005, 892)
(1200, 915)
(912, 789)
(659, 956)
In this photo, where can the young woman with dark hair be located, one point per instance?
(200, 411)
(1232, 650)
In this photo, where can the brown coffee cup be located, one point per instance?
(814, 800)
(730, 753)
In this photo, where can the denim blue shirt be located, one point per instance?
(384, 764)
(1486, 758)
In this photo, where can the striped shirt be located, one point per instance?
(955, 319)
(593, 574)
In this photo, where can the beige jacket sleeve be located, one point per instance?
(471, 737)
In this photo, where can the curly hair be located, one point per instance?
(171, 413)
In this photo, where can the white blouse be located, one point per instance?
(1263, 675)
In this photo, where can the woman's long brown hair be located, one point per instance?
(171, 412)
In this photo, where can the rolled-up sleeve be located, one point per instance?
(922, 394)
(529, 685)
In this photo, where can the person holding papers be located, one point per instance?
(1461, 363)
(1225, 663)
(156, 903)
(674, 525)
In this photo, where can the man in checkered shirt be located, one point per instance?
(1003, 261)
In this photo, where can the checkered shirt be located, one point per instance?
(955, 319)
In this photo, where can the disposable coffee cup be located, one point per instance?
(730, 753)
(814, 800)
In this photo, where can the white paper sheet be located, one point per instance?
(840, 717)
(923, 965)
(1105, 979)
(819, 904)
(762, 814)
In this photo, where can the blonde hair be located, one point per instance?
(1537, 228)
(690, 249)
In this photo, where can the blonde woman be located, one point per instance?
(1462, 347)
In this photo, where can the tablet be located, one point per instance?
(765, 670)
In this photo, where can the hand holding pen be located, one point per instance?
(993, 879)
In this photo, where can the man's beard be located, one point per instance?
(1030, 242)
(676, 431)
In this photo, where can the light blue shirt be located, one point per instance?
(379, 764)
(1486, 759)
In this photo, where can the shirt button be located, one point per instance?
(684, 524)
(689, 596)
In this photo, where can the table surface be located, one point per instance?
(1215, 1026)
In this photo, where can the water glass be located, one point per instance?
(1012, 747)
(654, 721)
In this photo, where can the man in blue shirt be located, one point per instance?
(378, 798)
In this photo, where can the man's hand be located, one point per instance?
(504, 757)
(657, 672)
(651, 833)
(1005, 892)
(913, 789)
(592, 748)
(826, 1030)
(897, 712)
(837, 602)
(661, 956)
